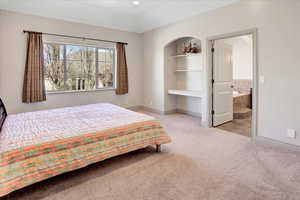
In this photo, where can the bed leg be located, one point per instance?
(158, 148)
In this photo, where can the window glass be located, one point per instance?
(105, 76)
(73, 67)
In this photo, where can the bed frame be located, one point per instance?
(158, 148)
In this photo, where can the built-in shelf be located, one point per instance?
(189, 93)
(183, 77)
(184, 55)
(188, 70)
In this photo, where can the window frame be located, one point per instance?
(97, 47)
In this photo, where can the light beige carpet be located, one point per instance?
(200, 164)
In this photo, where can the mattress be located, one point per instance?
(37, 145)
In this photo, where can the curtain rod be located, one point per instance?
(76, 37)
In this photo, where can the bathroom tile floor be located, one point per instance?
(239, 126)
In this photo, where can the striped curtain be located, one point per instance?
(122, 71)
(34, 85)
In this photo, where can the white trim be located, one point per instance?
(135, 108)
(253, 32)
(185, 55)
(257, 139)
(268, 141)
(180, 111)
(187, 112)
(65, 60)
(188, 93)
(77, 42)
(153, 110)
(100, 46)
(80, 91)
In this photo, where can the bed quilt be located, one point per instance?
(38, 145)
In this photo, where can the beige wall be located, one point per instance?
(13, 50)
(278, 58)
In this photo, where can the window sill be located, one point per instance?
(80, 91)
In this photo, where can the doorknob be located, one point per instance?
(232, 86)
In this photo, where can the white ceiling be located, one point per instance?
(117, 14)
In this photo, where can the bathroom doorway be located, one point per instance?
(232, 83)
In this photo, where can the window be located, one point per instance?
(77, 68)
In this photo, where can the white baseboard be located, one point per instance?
(268, 141)
(257, 139)
(187, 112)
(146, 109)
(135, 108)
(167, 112)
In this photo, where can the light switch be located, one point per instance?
(262, 79)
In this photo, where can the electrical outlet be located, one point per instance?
(291, 133)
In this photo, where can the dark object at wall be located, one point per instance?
(3, 114)
(251, 98)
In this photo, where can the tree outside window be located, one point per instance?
(73, 67)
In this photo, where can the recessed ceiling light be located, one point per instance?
(136, 3)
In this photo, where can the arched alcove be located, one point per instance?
(183, 77)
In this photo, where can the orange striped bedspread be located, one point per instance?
(25, 165)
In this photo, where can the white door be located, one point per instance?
(222, 83)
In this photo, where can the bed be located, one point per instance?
(38, 145)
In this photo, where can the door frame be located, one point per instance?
(255, 90)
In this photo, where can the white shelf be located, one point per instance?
(185, 55)
(188, 70)
(189, 93)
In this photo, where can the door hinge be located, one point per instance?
(213, 50)
(212, 112)
(212, 81)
